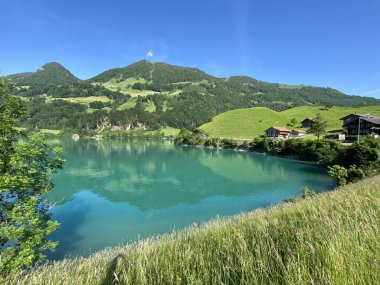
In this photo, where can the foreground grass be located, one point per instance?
(330, 239)
(251, 122)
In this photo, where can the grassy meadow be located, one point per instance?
(82, 100)
(125, 86)
(251, 122)
(329, 239)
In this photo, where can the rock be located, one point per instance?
(75, 137)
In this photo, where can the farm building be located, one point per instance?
(278, 132)
(352, 117)
(336, 136)
(362, 125)
(307, 123)
(298, 133)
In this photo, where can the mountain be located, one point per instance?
(153, 72)
(51, 74)
(157, 95)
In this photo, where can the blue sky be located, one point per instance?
(331, 43)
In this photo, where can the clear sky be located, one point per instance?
(331, 43)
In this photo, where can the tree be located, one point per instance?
(328, 106)
(319, 126)
(293, 122)
(26, 169)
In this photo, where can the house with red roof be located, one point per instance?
(298, 133)
(278, 132)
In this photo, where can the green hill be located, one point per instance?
(51, 74)
(330, 239)
(169, 96)
(247, 123)
(153, 72)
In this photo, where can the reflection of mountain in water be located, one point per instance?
(156, 174)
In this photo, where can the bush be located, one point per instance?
(339, 173)
(360, 155)
(214, 142)
(228, 143)
(355, 174)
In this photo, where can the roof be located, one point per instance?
(281, 129)
(372, 119)
(299, 131)
(358, 115)
(307, 119)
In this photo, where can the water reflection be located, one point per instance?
(117, 191)
(143, 172)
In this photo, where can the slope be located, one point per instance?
(50, 74)
(329, 239)
(247, 123)
(152, 72)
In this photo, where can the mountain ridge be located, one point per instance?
(145, 78)
(51, 73)
(156, 95)
(117, 71)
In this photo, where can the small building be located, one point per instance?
(307, 123)
(278, 132)
(336, 136)
(363, 126)
(298, 133)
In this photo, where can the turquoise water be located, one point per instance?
(113, 192)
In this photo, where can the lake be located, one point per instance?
(118, 191)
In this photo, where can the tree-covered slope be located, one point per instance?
(165, 95)
(153, 72)
(51, 74)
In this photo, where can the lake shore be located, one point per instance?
(302, 242)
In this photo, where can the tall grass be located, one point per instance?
(330, 239)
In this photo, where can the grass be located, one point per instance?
(168, 131)
(329, 239)
(246, 123)
(82, 100)
(125, 86)
(130, 104)
(150, 107)
(49, 131)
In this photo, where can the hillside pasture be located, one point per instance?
(252, 122)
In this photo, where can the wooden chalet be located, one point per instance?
(352, 117)
(307, 123)
(278, 132)
(362, 125)
(298, 133)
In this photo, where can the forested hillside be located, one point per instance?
(155, 95)
(153, 72)
(51, 74)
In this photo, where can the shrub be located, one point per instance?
(339, 173)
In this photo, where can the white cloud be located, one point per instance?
(149, 53)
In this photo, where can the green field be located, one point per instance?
(125, 86)
(330, 239)
(82, 100)
(130, 104)
(247, 123)
(168, 131)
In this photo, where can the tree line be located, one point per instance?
(344, 163)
